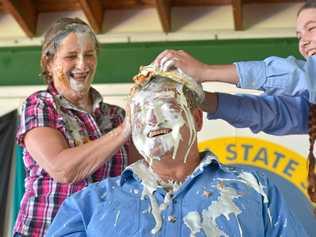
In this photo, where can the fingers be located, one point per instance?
(182, 53)
(167, 65)
(310, 49)
(311, 52)
(159, 58)
(168, 59)
(163, 61)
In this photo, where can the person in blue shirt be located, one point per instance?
(175, 190)
(289, 85)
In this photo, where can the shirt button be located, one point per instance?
(172, 219)
(206, 193)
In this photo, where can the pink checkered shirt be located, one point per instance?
(43, 195)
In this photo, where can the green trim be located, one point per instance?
(19, 183)
(118, 62)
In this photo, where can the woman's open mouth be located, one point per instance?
(78, 76)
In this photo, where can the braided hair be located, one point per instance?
(311, 189)
(311, 178)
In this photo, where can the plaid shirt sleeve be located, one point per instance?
(36, 111)
(118, 115)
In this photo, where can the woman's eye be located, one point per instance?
(89, 55)
(70, 56)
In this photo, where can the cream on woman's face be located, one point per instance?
(161, 121)
(74, 64)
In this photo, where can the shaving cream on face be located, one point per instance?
(74, 64)
(83, 71)
(76, 85)
(160, 117)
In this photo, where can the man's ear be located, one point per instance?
(198, 118)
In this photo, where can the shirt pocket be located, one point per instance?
(116, 219)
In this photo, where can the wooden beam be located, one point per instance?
(164, 11)
(189, 3)
(272, 1)
(24, 12)
(129, 4)
(238, 14)
(148, 2)
(57, 5)
(1, 7)
(119, 4)
(93, 9)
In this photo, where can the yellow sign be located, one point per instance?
(262, 154)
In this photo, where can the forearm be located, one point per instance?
(198, 70)
(278, 115)
(221, 73)
(65, 164)
(79, 162)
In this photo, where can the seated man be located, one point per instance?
(175, 190)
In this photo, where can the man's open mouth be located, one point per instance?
(159, 132)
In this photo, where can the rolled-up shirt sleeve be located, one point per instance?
(252, 74)
(279, 76)
(277, 115)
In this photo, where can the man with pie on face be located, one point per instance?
(175, 190)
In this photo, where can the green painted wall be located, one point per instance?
(119, 62)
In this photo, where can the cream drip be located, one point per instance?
(207, 219)
(151, 182)
(193, 221)
(250, 180)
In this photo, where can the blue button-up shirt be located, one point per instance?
(275, 112)
(215, 200)
(280, 76)
(277, 115)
